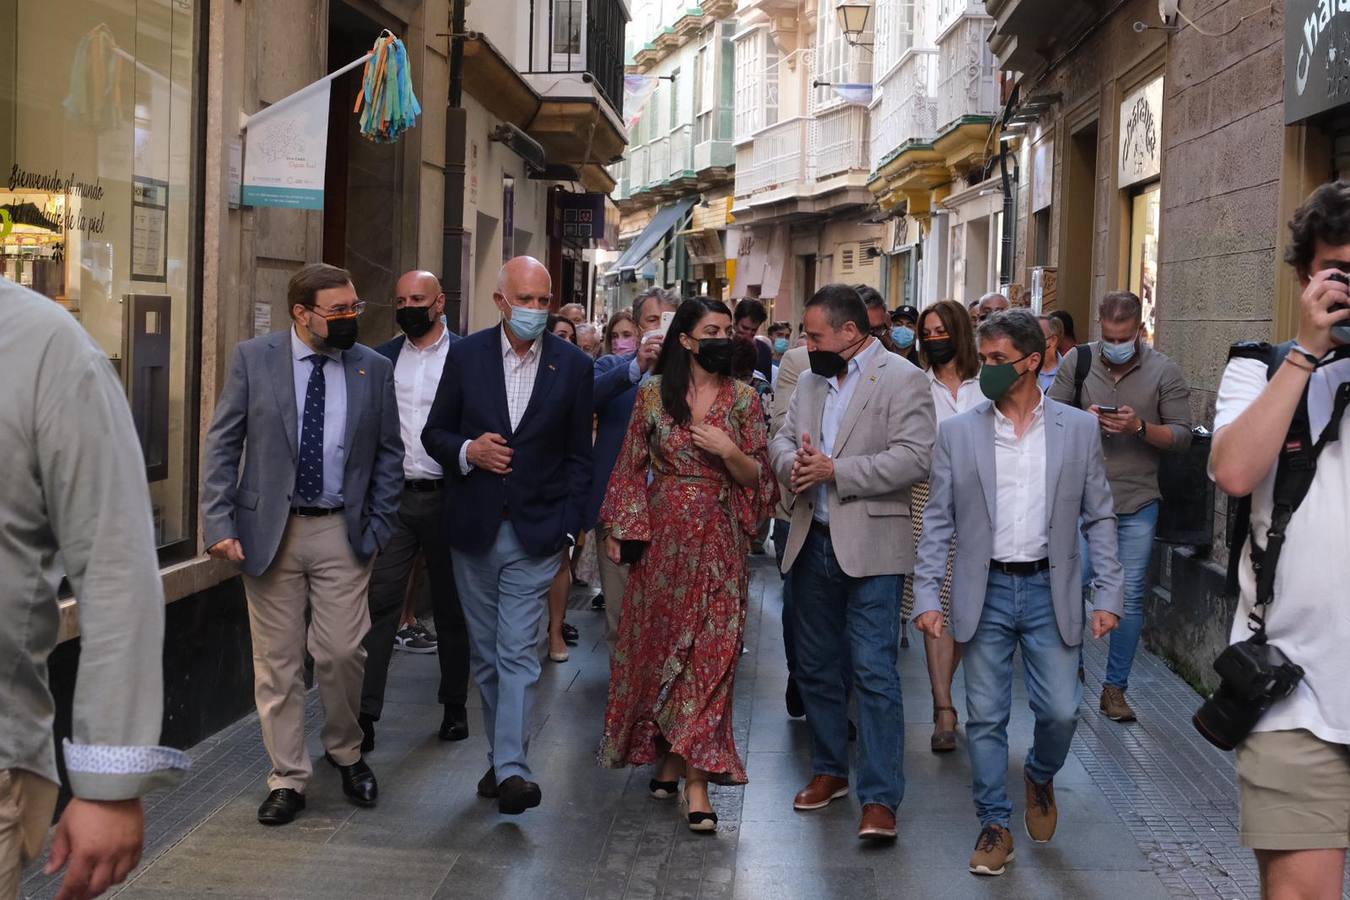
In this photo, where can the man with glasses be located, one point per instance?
(990, 304)
(313, 416)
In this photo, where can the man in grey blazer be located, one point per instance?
(859, 431)
(1012, 479)
(313, 416)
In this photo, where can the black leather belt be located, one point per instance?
(422, 485)
(1019, 568)
(315, 512)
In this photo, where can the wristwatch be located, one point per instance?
(1143, 429)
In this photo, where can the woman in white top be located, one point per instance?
(947, 351)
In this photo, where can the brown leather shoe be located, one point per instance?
(878, 823)
(1042, 815)
(819, 793)
(993, 851)
(1114, 704)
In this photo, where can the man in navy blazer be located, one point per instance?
(512, 426)
(418, 357)
(312, 416)
(616, 385)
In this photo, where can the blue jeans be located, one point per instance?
(1134, 535)
(837, 618)
(1017, 612)
(504, 593)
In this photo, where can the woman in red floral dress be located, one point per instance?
(702, 439)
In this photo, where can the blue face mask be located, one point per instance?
(1119, 354)
(780, 346)
(903, 336)
(528, 324)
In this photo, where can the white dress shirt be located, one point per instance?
(334, 416)
(417, 374)
(837, 400)
(520, 373)
(1021, 529)
(968, 396)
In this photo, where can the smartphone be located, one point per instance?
(1108, 410)
(666, 318)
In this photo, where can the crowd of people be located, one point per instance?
(973, 473)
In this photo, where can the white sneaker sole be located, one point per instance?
(807, 807)
(985, 870)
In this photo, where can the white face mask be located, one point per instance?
(1121, 353)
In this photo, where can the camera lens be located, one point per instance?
(1225, 720)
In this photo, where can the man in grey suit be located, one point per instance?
(859, 431)
(1014, 478)
(314, 417)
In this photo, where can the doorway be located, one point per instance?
(1080, 226)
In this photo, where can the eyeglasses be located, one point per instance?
(341, 312)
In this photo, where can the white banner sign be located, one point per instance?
(1141, 134)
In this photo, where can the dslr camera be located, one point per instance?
(1254, 674)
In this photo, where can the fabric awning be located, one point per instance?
(665, 219)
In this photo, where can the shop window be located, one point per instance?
(96, 203)
(1144, 212)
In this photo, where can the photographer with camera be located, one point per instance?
(1282, 701)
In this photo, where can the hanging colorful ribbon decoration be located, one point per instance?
(387, 106)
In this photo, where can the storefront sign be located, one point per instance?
(1141, 134)
(288, 147)
(1316, 57)
(579, 218)
(1042, 175)
(149, 229)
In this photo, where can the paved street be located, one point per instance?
(1146, 811)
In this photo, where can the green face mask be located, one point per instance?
(997, 380)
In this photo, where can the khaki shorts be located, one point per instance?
(1294, 792)
(26, 804)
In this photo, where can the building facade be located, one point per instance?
(122, 139)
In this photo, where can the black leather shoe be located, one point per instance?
(487, 785)
(598, 601)
(281, 807)
(517, 795)
(358, 782)
(367, 733)
(570, 635)
(455, 724)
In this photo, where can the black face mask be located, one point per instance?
(714, 355)
(341, 333)
(939, 352)
(828, 363)
(414, 320)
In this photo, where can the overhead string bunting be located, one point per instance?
(387, 106)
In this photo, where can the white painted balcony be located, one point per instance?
(681, 159)
(968, 75)
(777, 158)
(839, 142)
(658, 161)
(949, 11)
(908, 107)
(637, 175)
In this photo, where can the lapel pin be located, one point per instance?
(552, 367)
(872, 379)
(363, 371)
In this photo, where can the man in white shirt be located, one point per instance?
(418, 357)
(1014, 477)
(511, 425)
(1293, 770)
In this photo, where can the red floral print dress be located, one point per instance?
(673, 671)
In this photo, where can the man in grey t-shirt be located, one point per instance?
(75, 504)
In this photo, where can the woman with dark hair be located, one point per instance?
(947, 351)
(562, 327)
(688, 493)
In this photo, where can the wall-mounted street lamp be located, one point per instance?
(853, 17)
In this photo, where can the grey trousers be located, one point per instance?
(420, 529)
(504, 593)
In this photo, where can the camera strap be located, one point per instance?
(1294, 474)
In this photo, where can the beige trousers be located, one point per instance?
(26, 804)
(315, 569)
(613, 584)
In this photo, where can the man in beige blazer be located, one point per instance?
(859, 431)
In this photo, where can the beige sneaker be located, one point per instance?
(1042, 815)
(993, 851)
(1114, 705)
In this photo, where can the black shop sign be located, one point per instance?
(1316, 57)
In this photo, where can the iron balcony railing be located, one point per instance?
(583, 37)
